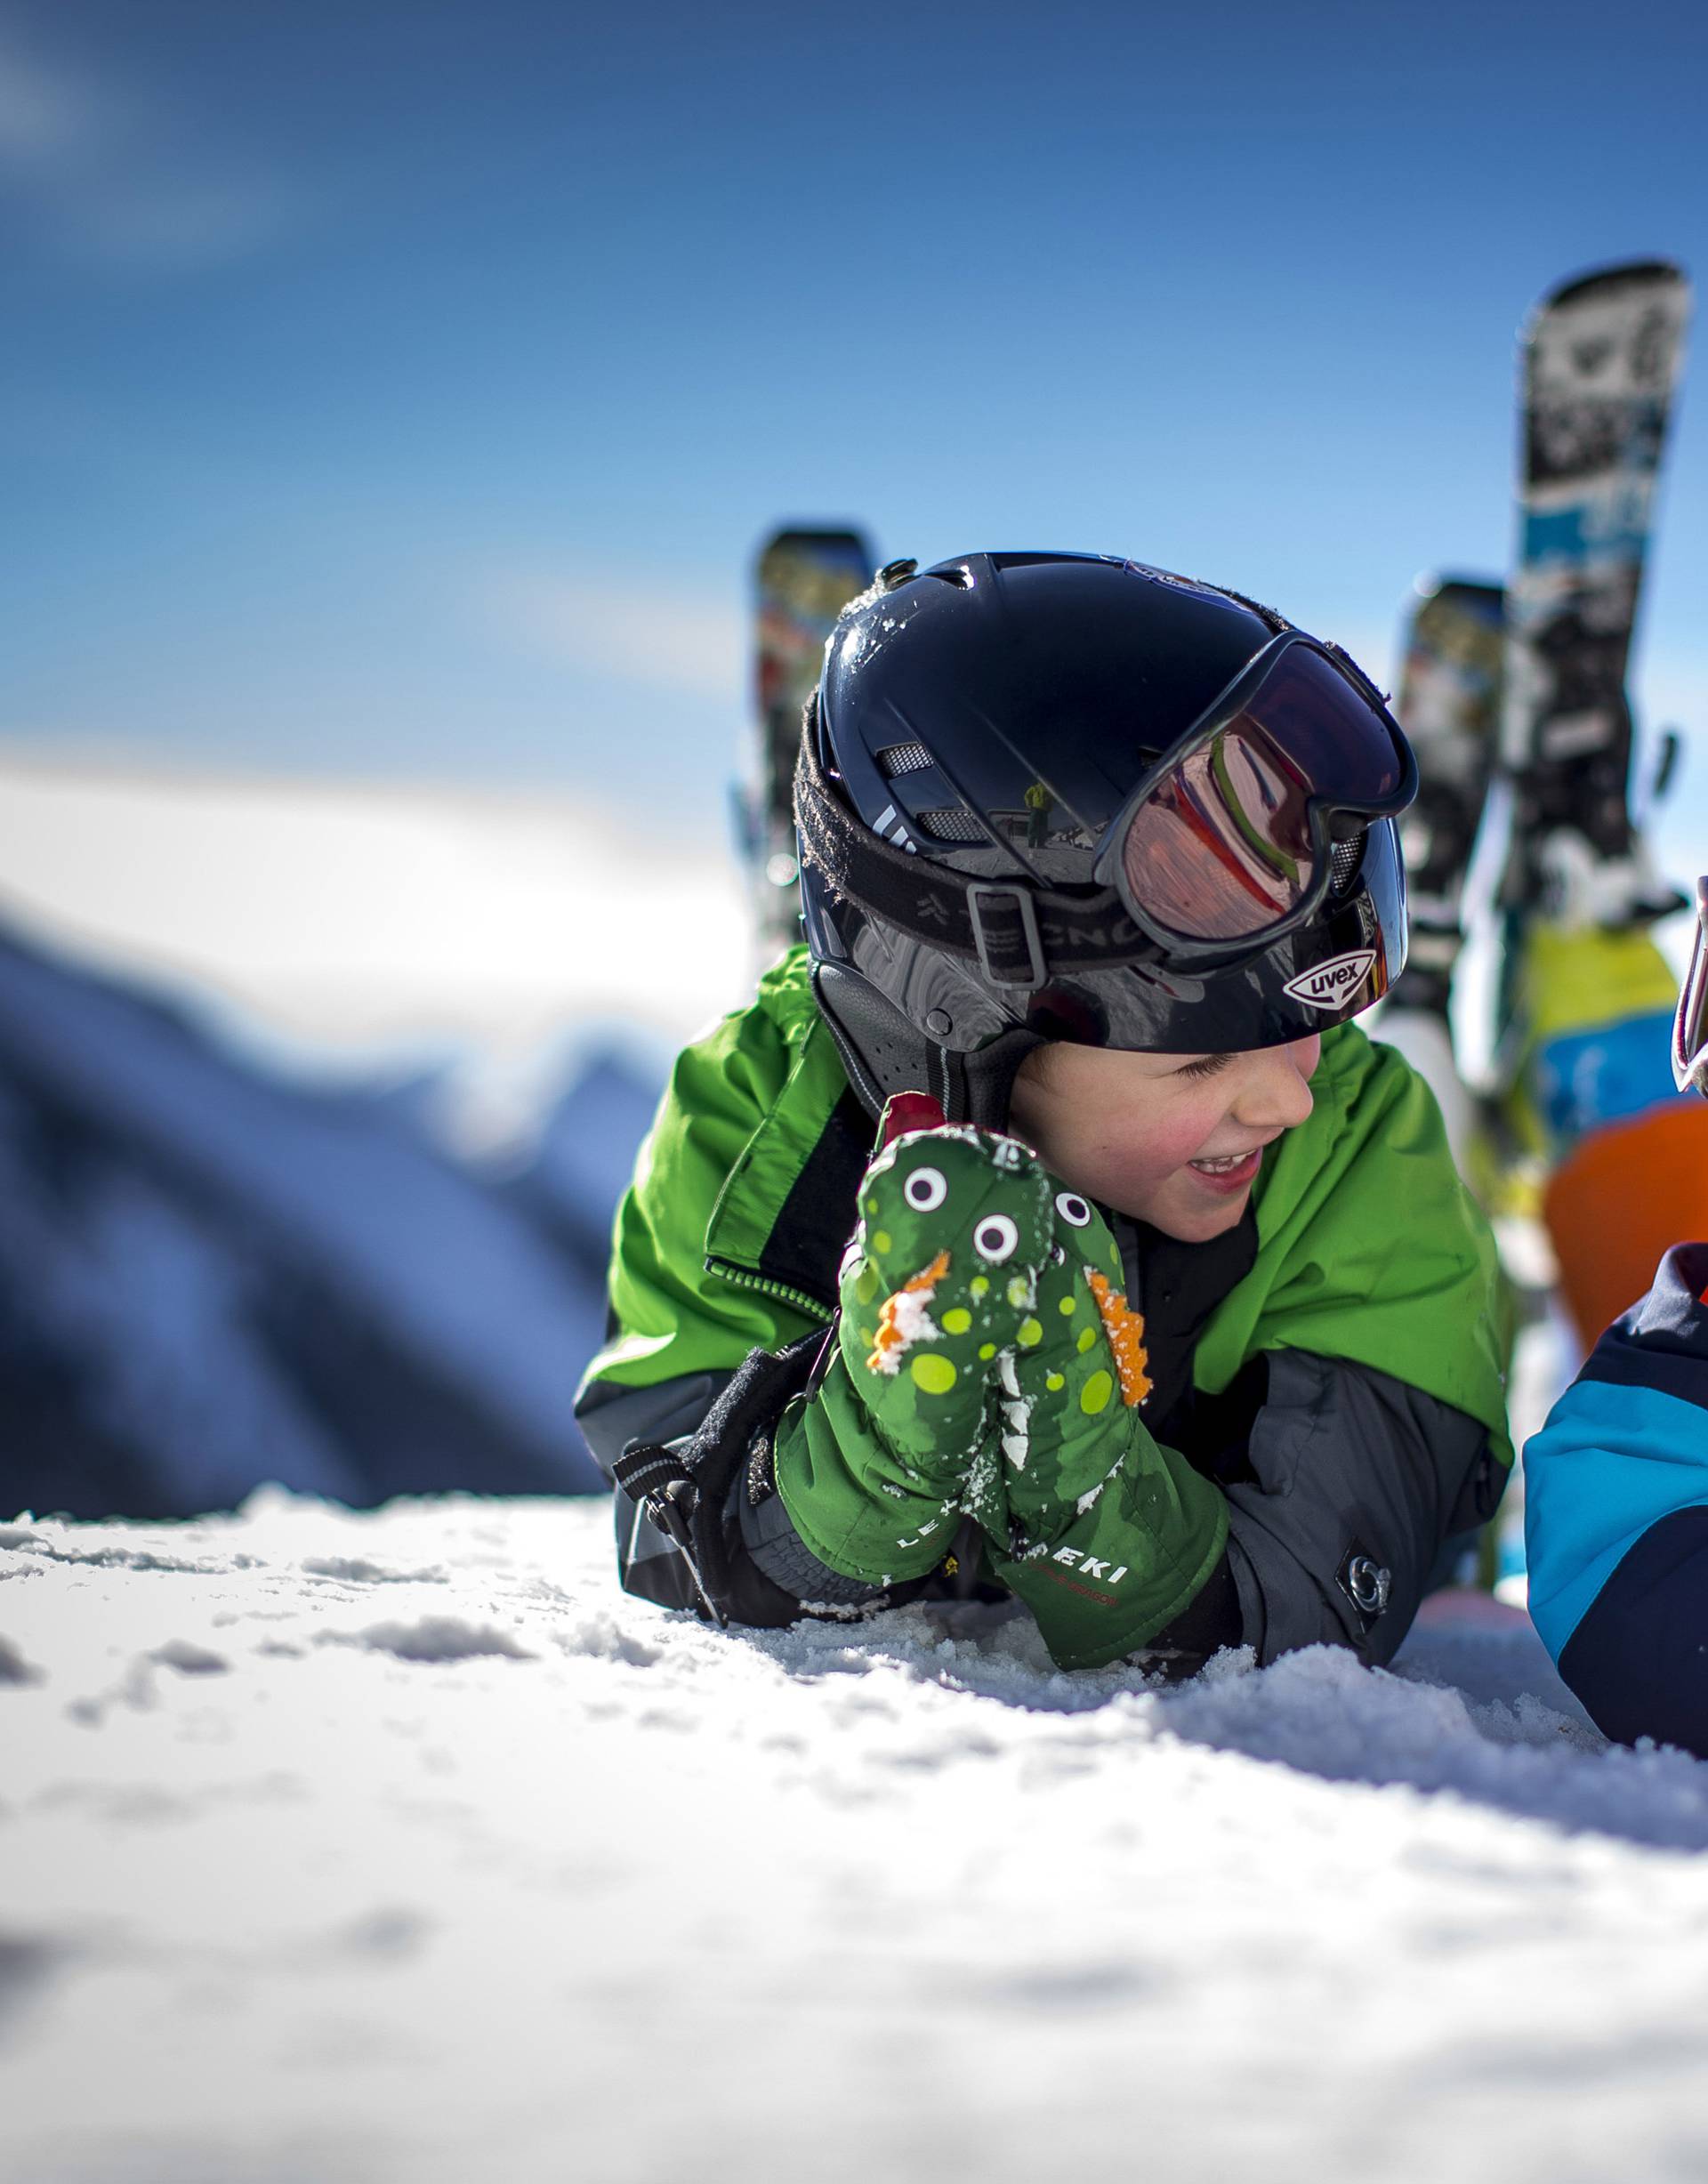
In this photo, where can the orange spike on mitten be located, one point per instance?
(1126, 1333)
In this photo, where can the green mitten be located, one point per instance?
(937, 1287)
(1111, 1535)
(1079, 1367)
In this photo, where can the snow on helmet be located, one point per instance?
(1065, 796)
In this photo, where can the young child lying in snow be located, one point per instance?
(1182, 1328)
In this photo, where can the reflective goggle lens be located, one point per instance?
(1221, 848)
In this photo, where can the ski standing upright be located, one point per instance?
(802, 580)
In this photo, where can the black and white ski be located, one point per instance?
(1600, 365)
(802, 580)
(1450, 707)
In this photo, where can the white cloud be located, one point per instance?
(358, 915)
(658, 636)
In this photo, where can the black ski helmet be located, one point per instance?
(983, 743)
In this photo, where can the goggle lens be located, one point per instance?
(1221, 848)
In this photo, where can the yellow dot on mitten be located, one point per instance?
(1054, 1381)
(1087, 1336)
(1094, 1396)
(979, 1286)
(956, 1320)
(1066, 1307)
(1029, 1333)
(871, 1205)
(1019, 1291)
(986, 1351)
(866, 1284)
(882, 1242)
(933, 1373)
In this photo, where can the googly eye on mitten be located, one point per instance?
(941, 1273)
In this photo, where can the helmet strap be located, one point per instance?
(984, 1081)
(883, 1054)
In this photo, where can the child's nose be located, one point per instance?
(1278, 1094)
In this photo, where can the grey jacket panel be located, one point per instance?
(611, 1416)
(1359, 1480)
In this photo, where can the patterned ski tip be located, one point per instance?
(1613, 281)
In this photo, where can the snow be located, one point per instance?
(907, 1316)
(342, 1848)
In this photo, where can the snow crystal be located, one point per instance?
(189, 1660)
(431, 1637)
(911, 1317)
(1017, 1414)
(358, 1570)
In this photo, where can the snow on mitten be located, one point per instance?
(1079, 1366)
(1109, 1535)
(935, 1285)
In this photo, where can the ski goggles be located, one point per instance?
(1690, 1024)
(1230, 837)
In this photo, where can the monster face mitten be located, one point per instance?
(987, 1364)
(938, 1287)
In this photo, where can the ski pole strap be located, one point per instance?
(1016, 931)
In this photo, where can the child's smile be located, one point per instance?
(1174, 1139)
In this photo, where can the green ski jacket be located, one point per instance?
(1374, 1288)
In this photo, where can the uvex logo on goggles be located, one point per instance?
(1227, 838)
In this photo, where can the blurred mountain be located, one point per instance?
(569, 1183)
(210, 1277)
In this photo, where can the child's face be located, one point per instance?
(1175, 1140)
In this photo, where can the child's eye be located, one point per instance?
(996, 1238)
(925, 1190)
(1207, 1065)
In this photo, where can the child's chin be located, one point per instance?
(1191, 1219)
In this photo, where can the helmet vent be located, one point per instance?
(902, 758)
(1344, 860)
(953, 825)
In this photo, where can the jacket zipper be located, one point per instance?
(744, 1279)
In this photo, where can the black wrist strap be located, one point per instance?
(684, 1490)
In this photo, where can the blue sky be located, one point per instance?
(403, 389)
